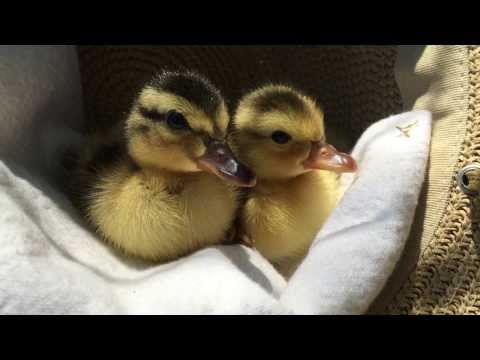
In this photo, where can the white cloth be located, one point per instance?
(51, 264)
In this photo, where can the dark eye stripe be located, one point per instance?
(152, 114)
(256, 134)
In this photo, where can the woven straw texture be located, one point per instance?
(354, 84)
(446, 279)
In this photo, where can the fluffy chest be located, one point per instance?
(156, 217)
(284, 219)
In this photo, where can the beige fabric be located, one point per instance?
(443, 249)
(447, 99)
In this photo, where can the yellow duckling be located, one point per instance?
(279, 134)
(155, 185)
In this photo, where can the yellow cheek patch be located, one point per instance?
(155, 153)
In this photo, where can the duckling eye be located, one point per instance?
(176, 121)
(281, 137)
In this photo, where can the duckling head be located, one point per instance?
(179, 123)
(279, 133)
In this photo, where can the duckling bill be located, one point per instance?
(324, 156)
(163, 183)
(220, 161)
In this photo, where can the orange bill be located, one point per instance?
(220, 161)
(325, 157)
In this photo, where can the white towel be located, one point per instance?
(51, 264)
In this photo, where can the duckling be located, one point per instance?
(163, 183)
(279, 133)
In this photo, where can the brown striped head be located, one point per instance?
(279, 133)
(179, 123)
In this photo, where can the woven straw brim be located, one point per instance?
(446, 278)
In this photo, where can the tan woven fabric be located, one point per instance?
(355, 84)
(444, 246)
